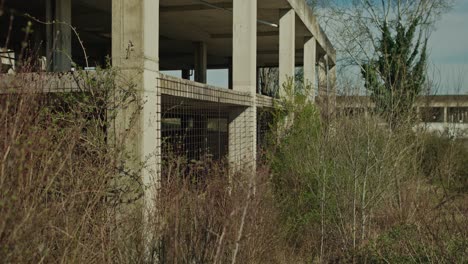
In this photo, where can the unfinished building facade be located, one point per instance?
(145, 38)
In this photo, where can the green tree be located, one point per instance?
(397, 76)
(385, 41)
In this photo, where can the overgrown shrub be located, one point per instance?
(445, 162)
(67, 195)
(338, 183)
(56, 200)
(217, 220)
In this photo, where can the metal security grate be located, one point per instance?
(193, 129)
(264, 121)
(203, 125)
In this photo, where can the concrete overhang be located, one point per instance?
(210, 21)
(309, 20)
(183, 22)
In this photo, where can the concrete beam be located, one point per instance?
(310, 51)
(287, 47)
(304, 12)
(62, 33)
(201, 62)
(195, 7)
(259, 34)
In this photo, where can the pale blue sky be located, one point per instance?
(448, 49)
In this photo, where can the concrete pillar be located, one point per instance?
(287, 47)
(186, 74)
(322, 78)
(243, 124)
(310, 51)
(62, 57)
(49, 33)
(230, 75)
(257, 82)
(135, 54)
(321, 98)
(201, 62)
(331, 89)
(446, 119)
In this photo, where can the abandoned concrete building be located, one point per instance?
(146, 38)
(437, 113)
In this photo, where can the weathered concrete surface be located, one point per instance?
(310, 21)
(135, 49)
(243, 121)
(287, 48)
(63, 52)
(310, 52)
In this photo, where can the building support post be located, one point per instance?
(49, 34)
(230, 74)
(287, 48)
(186, 74)
(62, 57)
(310, 51)
(135, 55)
(331, 90)
(243, 120)
(201, 62)
(446, 118)
(321, 99)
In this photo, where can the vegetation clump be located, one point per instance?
(355, 190)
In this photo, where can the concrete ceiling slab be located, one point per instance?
(183, 22)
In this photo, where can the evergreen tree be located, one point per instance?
(397, 76)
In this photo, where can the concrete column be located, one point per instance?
(243, 124)
(201, 62)
(287, 47)
(230, 75)
(135, 54)
(257, 82)
(186, 74)
(49, 34)
(332, 90)
(310, 51)
(62, 34)
(446, 119)
(321, 98)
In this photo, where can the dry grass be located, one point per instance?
(66, 197)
